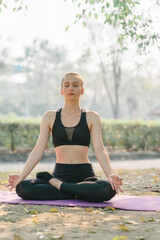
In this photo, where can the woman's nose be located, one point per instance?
(71, 88)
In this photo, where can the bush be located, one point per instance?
(17, 132)
(131, 134)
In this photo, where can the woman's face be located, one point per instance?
(72, 87)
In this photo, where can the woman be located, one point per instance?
(73, 175)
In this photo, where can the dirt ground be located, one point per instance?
(32, 222)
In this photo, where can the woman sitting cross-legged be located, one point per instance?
(72, 128)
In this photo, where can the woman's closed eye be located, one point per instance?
(73, 86)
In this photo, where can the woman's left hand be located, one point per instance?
(115, 182)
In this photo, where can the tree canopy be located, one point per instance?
(132, 23)
(126, 14)
(17, 5)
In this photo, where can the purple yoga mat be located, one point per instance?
(135, 203)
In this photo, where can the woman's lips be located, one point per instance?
(71, 94)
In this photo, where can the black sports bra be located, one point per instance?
(77, 135)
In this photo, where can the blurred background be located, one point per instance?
(40, 44)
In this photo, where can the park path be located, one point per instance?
(116, 164)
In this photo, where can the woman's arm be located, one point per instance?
(35, 155)
(98, 146)
(101, 152)
(38, 150)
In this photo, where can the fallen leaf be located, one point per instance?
(80, 223)
(26, 210)
(3, 226)
(40, 235)
(33, 212)
(134, 188)
(124, 217)
(100, 208)
(54, 210)
(109, 208)
(150, 219)
(95, 222)
(120, 237)
(56, 237)
(17, 237)
(4, 182)
(88, 209)
(91, 231)
(66, 224)
(155, 190)
(157, 220)
(97, 211)
(84, 223)
(132, 222)
(123, 227)
(141, 238)
(143, 220)
(35, 220)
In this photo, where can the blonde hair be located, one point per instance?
(71, 73)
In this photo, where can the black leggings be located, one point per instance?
(70, 174)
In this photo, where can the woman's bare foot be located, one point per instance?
(55, 182)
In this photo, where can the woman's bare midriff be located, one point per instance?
(72, 154)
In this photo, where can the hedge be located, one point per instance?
(132, 134)
(128, 134)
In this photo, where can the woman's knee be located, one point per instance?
(22, 190)
(106, 189)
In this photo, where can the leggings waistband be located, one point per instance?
(73, 172)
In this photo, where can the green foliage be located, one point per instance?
(132, 26)
(66, 29)
(17, 132)
(18, 5)
(131, 134)
(84, 24)
(96, 15)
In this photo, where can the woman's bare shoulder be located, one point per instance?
(49, 114)
(93, 115)
(49, 117)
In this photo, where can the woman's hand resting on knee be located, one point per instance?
(14, 180)
(115, 182)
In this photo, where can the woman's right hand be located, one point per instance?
(14, 180)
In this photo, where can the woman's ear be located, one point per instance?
(82, 91)
(61, 92)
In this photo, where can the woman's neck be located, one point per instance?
(71, 108)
